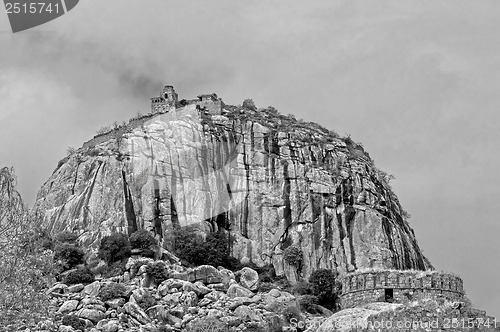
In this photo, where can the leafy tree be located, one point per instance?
(323, 287)
(82, 275)
(68, 255)
(293, 256)
(142, 239)
(215, 250)
(249, 105)
(114, 248)
(25, 267)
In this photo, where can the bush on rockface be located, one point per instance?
(82, 275)
(68, 255)
(114, 248)
(142, 239)
(293, 256)
(73, 321)
(323, 286)
(214, 251)
(113, 291)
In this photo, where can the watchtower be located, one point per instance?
(166, 102)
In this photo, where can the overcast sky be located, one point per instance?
(417, 82)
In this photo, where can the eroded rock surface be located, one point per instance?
(268, 179)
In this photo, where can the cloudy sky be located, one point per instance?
(417, 82)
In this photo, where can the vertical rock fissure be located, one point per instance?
(287, 213)
(157, 219)
(386, 225)
(129, 207)
(350, 212)
(76, 177)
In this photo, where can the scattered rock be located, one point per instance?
(68, 306)
(249, 278)
(238, 291)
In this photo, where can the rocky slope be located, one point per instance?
(270, 180)
(136, 302)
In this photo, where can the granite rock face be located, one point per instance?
(269, 180)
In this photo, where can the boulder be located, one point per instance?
(227, 275)
(92, 289)
(249, 278)
(65, 328)
(115, 303)
(238, 291)
(92, 315)
(58, 289)
(207, 274)
(108, 325)
(68, 306)
(247, 314)
(75, 288)
(136, 312)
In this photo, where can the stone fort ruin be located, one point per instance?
(398, 287)
(169, 101)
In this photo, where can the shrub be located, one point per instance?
(214, 251)
(249, 105)
(158, 271)
(69, 255)
(309, 303)
(113, 291)
(36, 239)
(146, 301)
(115, 269)
(282, 283)
(323, 286)
(266, 272)
(114, 247)
(293, 256)
(82, 275)
(142, 239)
(302, 288)
(206, 324)
(74, 322)
(66, 237)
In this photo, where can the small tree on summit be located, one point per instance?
(249, 105)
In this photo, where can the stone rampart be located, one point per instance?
(398, 286)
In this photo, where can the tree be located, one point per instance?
(323, 286)
(25, 265)
(114, 248)
(249, 105)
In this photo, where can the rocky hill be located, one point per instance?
(268, 179)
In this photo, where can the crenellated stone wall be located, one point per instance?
(398, 287)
